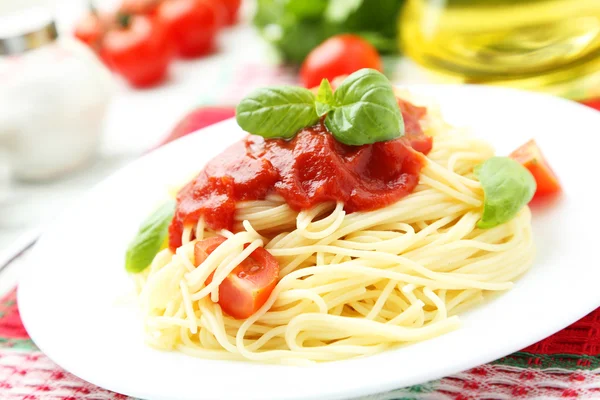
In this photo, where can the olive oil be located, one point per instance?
(529, 43)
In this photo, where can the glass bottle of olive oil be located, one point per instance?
(527, 43)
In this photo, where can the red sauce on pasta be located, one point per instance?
(310, 169)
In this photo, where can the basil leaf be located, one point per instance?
(150, 238)
(367, 110)
(325, 101)
(507, 187)
(277, 112)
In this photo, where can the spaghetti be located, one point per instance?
(350, 284)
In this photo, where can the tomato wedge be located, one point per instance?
(530, 156)
(249, 285)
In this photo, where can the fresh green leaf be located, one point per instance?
(322, 108)
(325, 93)
(149, 239)
(325, 101)
(507, 187)
(306, 8)
(299, 38)
(376, 16)
(367, 110)
(340, 10)
(381, 42)
(295, 27)
(277, 112)
(267, 12)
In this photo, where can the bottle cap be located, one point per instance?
(26, 30)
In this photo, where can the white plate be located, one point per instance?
(71, 302)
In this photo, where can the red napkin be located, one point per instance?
(197, 119)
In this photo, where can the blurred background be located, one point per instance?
(87, 86)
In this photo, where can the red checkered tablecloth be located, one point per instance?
(564, 366)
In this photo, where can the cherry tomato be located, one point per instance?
(90, 30)
(530, 156)
(231, 10)
(139, 7)
(249, 285)
(338, 55)
(192, 25)
(139, 50)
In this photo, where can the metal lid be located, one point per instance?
(26, 30)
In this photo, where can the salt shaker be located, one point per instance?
(53, 96)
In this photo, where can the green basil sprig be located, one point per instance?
(150, 238)
(363, 110)
(507, 187)
(325, 101)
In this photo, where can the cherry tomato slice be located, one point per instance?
(203, 248)
(338, 55)
(249, 285)
(530, 156)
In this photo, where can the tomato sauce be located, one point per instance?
(310, 169)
